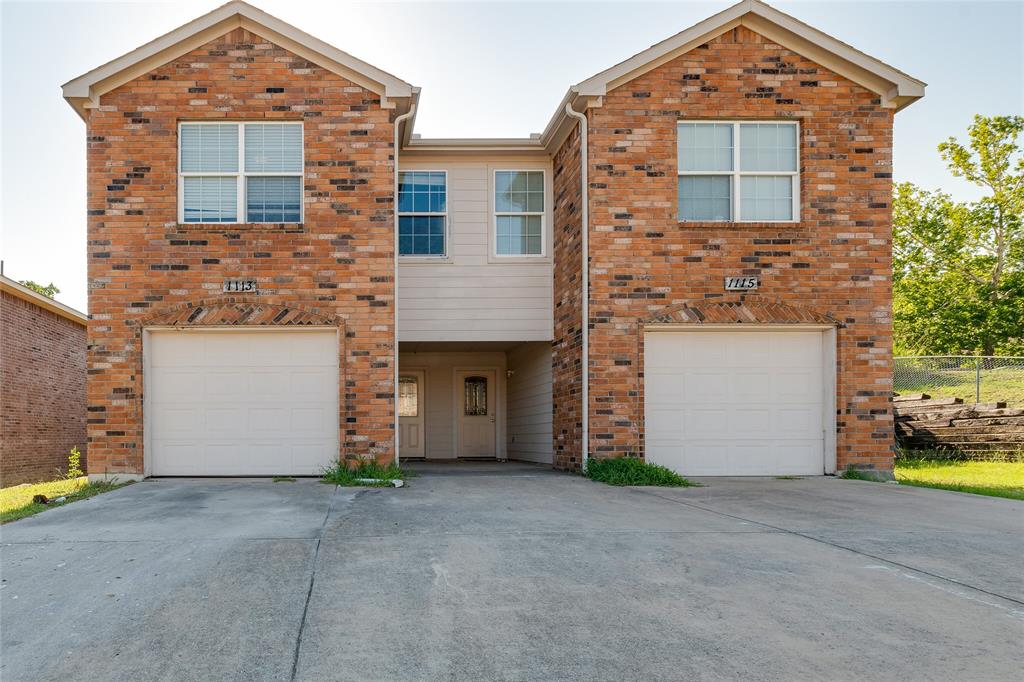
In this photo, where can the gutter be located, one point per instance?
(394, 216)
(585, 284)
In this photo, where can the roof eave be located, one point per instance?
(21, 291)
(84, 91)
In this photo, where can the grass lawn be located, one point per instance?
(16, 501)
(998, 479)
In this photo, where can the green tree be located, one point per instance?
(49, 290)
(958, 274)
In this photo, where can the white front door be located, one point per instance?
(736, 403)
(476, 413)
(241, 402)
(411, 414)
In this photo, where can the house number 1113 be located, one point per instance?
(238, 286)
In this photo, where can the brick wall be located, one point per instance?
(142, 262)
(568, 325)
(42, 391)
(836, 261)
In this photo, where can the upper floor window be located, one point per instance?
(240, 172)
(744, 172)
(519, 213)
(422, 213)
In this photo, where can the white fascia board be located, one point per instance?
(895, 87)
(84, 92)
(21, 291)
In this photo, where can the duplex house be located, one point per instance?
(690, 264)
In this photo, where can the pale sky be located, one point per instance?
(487, 69)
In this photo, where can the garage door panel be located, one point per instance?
(699, 422)
(222, 420)
(242, 402)
(709, 385)
(735, 403)
(750, 385)
(747, 421)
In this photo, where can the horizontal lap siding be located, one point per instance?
(529, 403)
(475, 296)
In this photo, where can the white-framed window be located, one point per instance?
(240, 172)
(422, 213)
(739, 171)
(519, 213)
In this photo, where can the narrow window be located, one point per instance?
(738, 171)
(241, 172)
(475, 403)
(408, 396)
(422, 213)
(519, 213)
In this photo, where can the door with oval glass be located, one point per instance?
(477, 416)
(410, 414)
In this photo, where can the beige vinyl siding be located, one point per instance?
(440, 398)
(529, 403)
(471, 294)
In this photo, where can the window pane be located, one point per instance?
(766, 197)
(475, 401)
(210, 200)
(519, 191)
(705, 146)
(705, 197)
(422, 192)
(421, 235)
(273, 200)
(408, 396)
(209, 148)
(519, 235)
(273, 148)
(768, 147)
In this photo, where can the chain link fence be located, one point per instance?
(976, 379)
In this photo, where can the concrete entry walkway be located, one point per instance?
(490, 571)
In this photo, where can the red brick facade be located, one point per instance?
(567, 374)
(835, 263)
(42, 391)
(143, 264)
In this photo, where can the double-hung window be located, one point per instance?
(743, 172)
(519, 213)
(422, 213)
(240, 172)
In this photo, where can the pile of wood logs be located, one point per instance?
(970, 431)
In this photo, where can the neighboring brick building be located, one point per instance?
(242, 178)
(42, 385)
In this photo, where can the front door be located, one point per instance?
(476, 413)
(410, 414)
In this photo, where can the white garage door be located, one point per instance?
(241, 403)
(730, 403)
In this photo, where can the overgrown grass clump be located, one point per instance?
(345, 475)
(633, 471)
(16, 501)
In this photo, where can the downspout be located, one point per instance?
(394, 303)
(585, 284)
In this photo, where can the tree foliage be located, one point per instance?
(958, 271)
(49, 290)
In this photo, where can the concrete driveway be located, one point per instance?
(487, 572)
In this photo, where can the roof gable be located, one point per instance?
(85, 91)
(895, 88)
